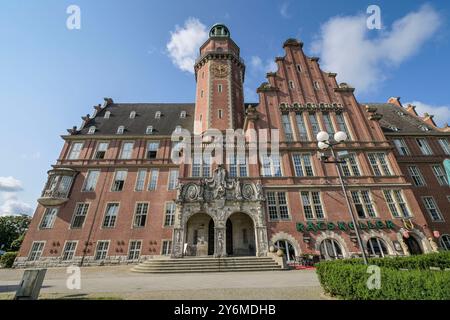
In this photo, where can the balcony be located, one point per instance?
(57, 188)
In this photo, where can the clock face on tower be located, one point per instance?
(219, 70)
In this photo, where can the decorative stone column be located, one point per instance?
(177, 243)
(220, 242)
(261, 241)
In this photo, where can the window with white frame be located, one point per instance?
(153, 181)
(91, 180)
(350, 166)
(363, 204)
(445, 241)
(301, 126)
(107, 114)
(342, 125)
(100, 152)
(132, 114)
(328, 123)
(75, 150)
(424, 146)
(158, 115)
(379, 164)
(401, 147)
(237, 166)
(201, 167)
(166, 249)
(149, 130)
(291, 84)
(79, 215)
(92, 130)
(440, 174)
(432, 208)
(119, 180)
(112, 210)
(316, 85)
(101, 251)
(36, 250)
(377, 247)
(287, 127)
(169, 216)
(302, 165)
(173, 179)
(271, 166)
(152, 149)
(314, 124)
(299, 68)
(140, 179)
(120, 130)
(277, 205)
(330, 249)
(416, 176)
(69, 250)
(140, 215)
(127, 150)
(49, 217)
(183, 114)
(135, 250)
(443, 142)
(396, 203)
(219, 88)
(312, 205)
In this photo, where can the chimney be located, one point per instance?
(428, 119)
(411, 109)
(395, 100)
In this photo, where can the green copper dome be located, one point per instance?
(219, 30)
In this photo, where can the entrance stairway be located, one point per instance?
(207, 264)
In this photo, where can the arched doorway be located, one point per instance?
(240, 235)
(200, 235)
(413, 245)
(288, 249)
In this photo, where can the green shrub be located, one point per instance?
(7, 259)
(348, 278)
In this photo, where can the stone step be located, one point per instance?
(182, 262)
(206, 270)
(253, 265)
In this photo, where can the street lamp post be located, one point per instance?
(323, 139)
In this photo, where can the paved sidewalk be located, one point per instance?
(119, 282)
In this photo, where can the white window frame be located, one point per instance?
(271, 166)
(132, 114)
(287, 126)
(68, 254)
(281, 214)
(445, 145)
(53, 211)
(378, 167)
(380, 243)
(77, 213)
(140, 213)
(120, 130)
(394, 204)
(440, 174)
(97, 150)
(312, 207)
(444, 241)
(302, 130)
(170, 208)
(110, 220)
(92, 130)
(350, 167)
(424, 146)
(104, 251)
(401, 146)
(134, 253)
(172, 179)
(301, 168)
(432, 209)
(152, 146)
(115, 179)
(74, 153)
(365, 200)
(88, 178)
(36, 253)
(141, 177)
(416, 176)
(166, 247)
(125, 153)
(149, 130)
(153, 179)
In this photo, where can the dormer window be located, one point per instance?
(149, 130)
(401, 114)
(394, 128)
(91, 130)
(178, 129)
(107, 114)
(316, 85)
(183, 114)
(132, 114)
(158, 115)
(120, 130)
(299, 68)
(424, 128)
(291, 84)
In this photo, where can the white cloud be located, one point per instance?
(346, 48)
(10, 184)
(260, 66)
(13, 206)
(284, 10)
(441, 113)
(185, 42)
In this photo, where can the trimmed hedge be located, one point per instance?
(348, 278)
(7, 260)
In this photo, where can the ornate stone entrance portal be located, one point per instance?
(203, 208)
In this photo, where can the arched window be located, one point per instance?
(377, 247)
(132, 114)
(91, 130)
(330, 249)
(288, 249)
(120, 129)
(158, 114)
(445, 241)
(107, 114)
(183, 114)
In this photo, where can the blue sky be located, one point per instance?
(50, 76)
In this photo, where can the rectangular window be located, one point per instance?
(314, 124)
(140, 179)
(153, 182)
(140, 215)
(173, 179)
(416, 176)
(432, 209)
(440, 175)
(112, 210)
(75, 150)
(328, 123)
(127, 150)
(287, 127)
(79, 215)
(291, 84)
(303, 133)
(424, 146)
(102, 250)
(152, 149)
(312, 205)
(219, 88)
(166, 247)
(342, 125)
(401, 146)
(119, 180)
(69, 250)
(49, 218)
(396, 203)
(271, 166)
(135, 250)
(100, 153)
(277, 206)
(363, 204)
(350, 166)
(169, 214)
(302, 165)
(36, 250)
(238, 166)
(445, 145)
(91, 180)
(379, 164)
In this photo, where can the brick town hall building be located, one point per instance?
(115, 196)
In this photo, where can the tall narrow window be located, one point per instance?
(69, 250)
(112, 210)
(75, 150)
(100, 152)
(36, 250)
(120, 130)
(316, 85)
(153, 181)
(287, 127)
(363, 204)
(238, 166)
(49, 218)
(302, 132)
(79, 215)
(132, 114)
(416, 176)
(302, 165)
(166, 249)
(350, 166)
(119, 180)
(379, 164)
(140, 215)
(424, 146)
(432, 209)
(169, 217)
(219, 88)
(127, 150)
(445, 145)
(299, 68)
(401, 147)
(396, 203)
(220, 114)
(102, 250)
(291, 84)
(440, 175)
(152, 149)
(173, 179)
(107, 114)
(91, 180)
(314, 124)
(140, 179)
(312, 205)
(328, 123)
(342, 125)
(277, 206)
(271, 166)
(135, 250)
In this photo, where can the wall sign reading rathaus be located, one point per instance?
(115, 195)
